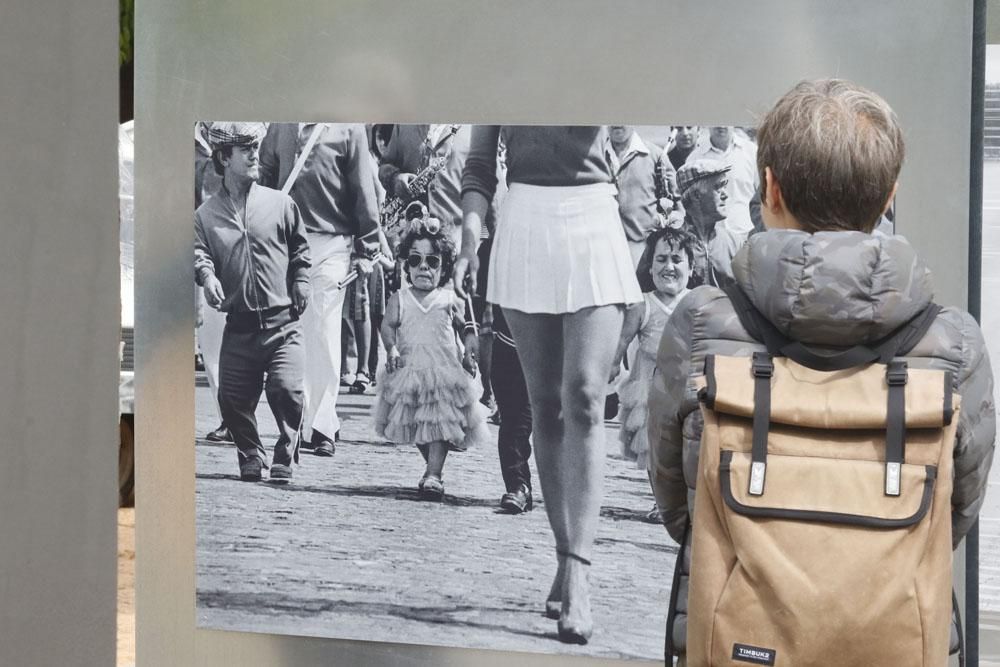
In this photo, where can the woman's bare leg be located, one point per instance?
(539, 347)
(589, 340)
(566, 360)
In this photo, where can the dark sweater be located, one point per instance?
(538, 155)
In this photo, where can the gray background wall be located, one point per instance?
(58, 332)
(704, 62)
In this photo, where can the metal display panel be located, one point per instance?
(565, 62)
(60, 332)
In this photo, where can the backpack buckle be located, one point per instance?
(757, 471)
(893, 472)
(763, 366)
(896, 374)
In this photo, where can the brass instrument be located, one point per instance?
(394, 208)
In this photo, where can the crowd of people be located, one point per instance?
(514, 274)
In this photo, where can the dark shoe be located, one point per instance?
(199, 362)
(250, 470)
(360, 385)
(322, 445)
(324, 449)
(220, 434)
(517, 502)
(610, 407)
(280, 474)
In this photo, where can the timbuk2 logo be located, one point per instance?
(754, 654)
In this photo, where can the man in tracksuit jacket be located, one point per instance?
(252, 261)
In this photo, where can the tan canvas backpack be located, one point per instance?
(822, 519)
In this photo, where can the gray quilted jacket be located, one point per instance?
(830, 290)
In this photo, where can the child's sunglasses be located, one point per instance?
(414, 259)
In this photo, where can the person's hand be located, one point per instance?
(363, 266)
(471, 355)
(675, 219)
(214, 295)
(199, 314)
(401, 186)
(394, 360)
(464, 274)
(301, 293)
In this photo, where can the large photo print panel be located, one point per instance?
(424, 354)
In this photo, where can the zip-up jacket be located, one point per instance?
(256, 259)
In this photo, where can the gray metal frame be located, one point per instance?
(59, 300)
(562, 61)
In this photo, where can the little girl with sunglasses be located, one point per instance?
(426, 394)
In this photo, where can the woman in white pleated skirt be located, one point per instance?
(561, 270)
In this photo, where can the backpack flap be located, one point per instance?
(851, 399)
(838, 405)
(849, 492)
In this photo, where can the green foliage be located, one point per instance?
(126, 26)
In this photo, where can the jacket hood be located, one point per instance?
(833, 288)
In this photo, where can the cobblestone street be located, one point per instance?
(348, 550)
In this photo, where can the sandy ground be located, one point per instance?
(347, 550)
(126, 587)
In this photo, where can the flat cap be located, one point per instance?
(222, 134)
(693, 172)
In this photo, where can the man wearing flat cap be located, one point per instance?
(252, 261)
(704, 195)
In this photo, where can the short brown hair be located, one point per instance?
(835, 149)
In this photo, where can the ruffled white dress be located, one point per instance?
(634, 393)
(431, 397)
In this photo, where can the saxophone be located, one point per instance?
(393, 208)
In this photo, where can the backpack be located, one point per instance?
(822, 517)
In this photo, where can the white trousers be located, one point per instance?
(209, 335)
(331, 261)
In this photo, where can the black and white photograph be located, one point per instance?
(423, 360)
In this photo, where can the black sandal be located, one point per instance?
(360, 385)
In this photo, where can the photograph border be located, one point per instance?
(384, 62)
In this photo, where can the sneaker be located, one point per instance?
(220, 434)
(280, 474)
(250, 470)
(517, 502)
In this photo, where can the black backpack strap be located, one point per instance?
(669, 650)
(898, 343)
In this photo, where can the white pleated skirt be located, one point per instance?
(559, 250)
